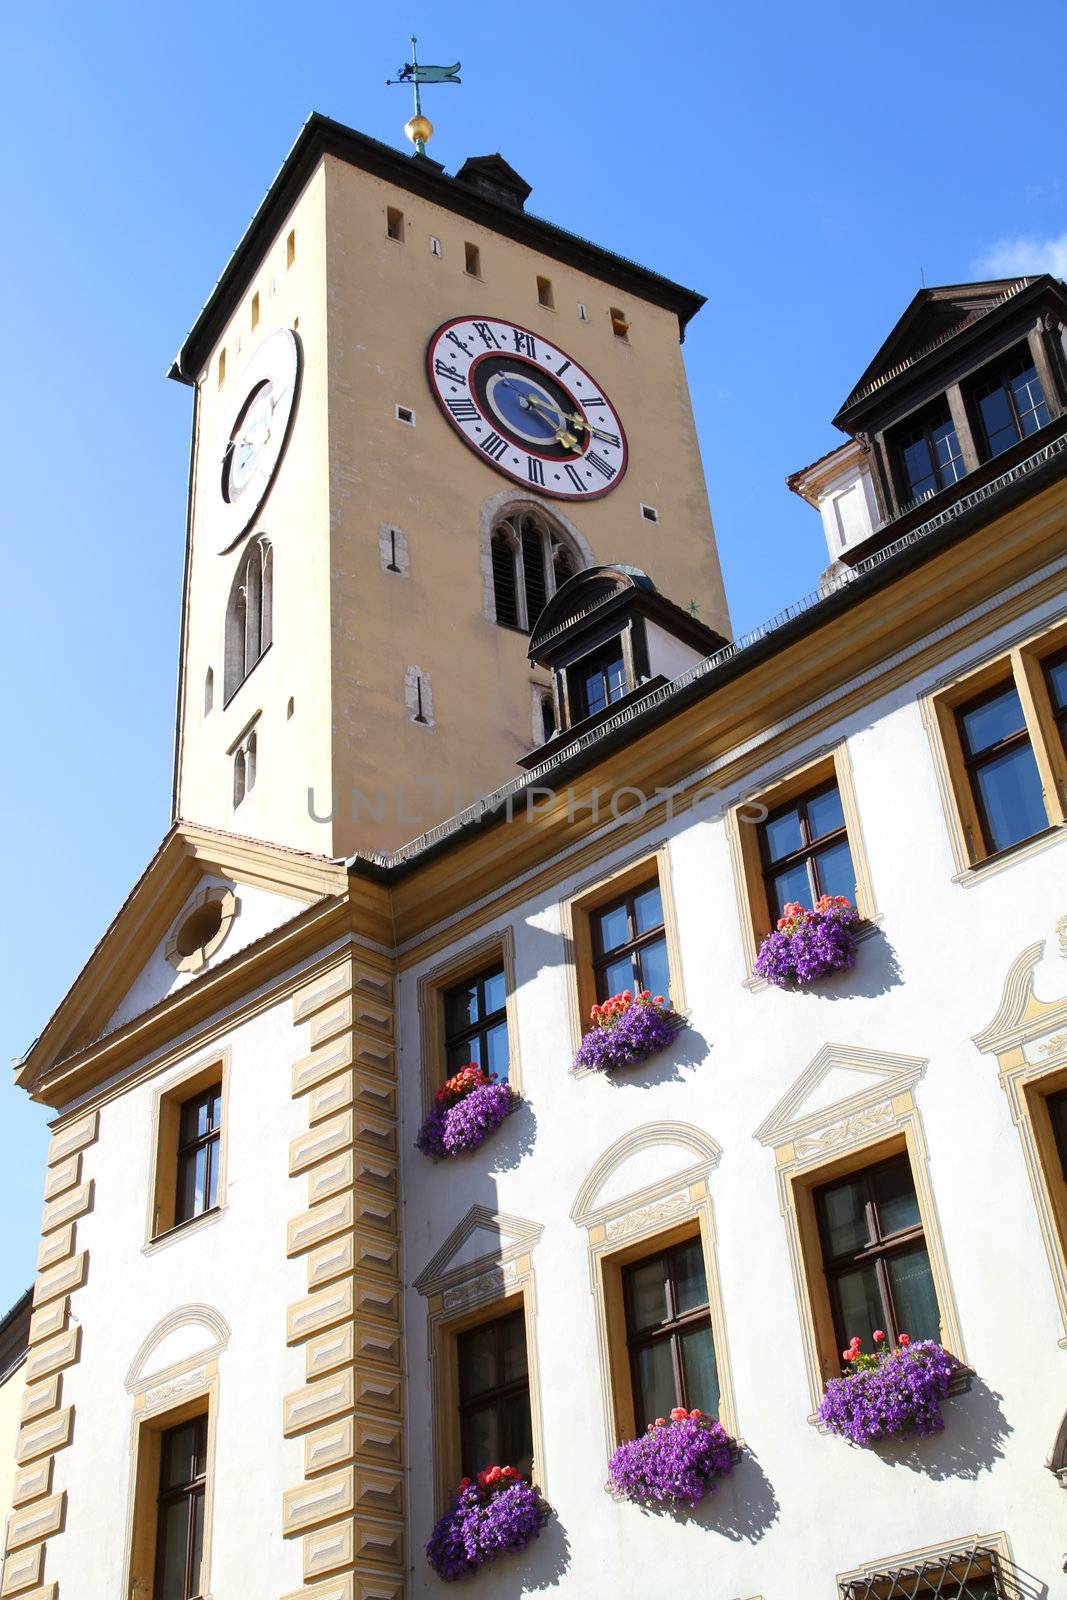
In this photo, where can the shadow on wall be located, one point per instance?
(877, 970)
(511, 1143)
(540, 1566)
(972, 1443)
(690, 1049)
(744, 1506)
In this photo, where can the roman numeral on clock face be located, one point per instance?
(487, 336)
(600, 465)
(572, 473)
(536, 471)
(591, 400)
(494, 446)
(444, 371)
(525, 343)
(463, 410)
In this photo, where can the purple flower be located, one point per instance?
(451, 1130)
(899, 1391)
(486, 1520)
(807, 945)
(641, 1030)
(675, 1463)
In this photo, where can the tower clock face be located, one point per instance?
(527, 408)
(251, 448)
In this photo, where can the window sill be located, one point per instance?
(159, 1241)
(991, 865)
(866, 930)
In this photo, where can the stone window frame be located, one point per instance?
(1019, 661)
(170, 1096)
(865, 1127)
(576, 921)
(188, 1388)
(198, 958)
(997, 1544)
(432, 986)
(1028, 1038)
(623, 1230)
(829, 764)
(512, 503)
(460, 1298)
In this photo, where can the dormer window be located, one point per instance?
(600, 679)
(1010, 403)
(929, 455)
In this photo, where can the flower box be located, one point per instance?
(626, 1030)
(465, 1112)
(892, 1392)
(494, 1514)
(808, 945)
(674, 1463)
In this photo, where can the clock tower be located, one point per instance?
(418, 410)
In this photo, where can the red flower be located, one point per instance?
(904, 1339)
(849, 1354)
(627, 995)
(679, 1414)
(661, 1422)
(878, 1336)
(696, 1414)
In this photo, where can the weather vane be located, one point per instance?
(420, 128)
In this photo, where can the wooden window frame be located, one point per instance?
(194, 1489)
(210, 1142)
(635, 942)
(166, 1125)
(579, 671)
(744, 833)
(486, 1019)
(923, 426)
(149, 1428)
(669, 1330)
(576, 915)
(998, 375)
(1024, 667)
(809, 848)
(433, 985)
(490, 1397)
(1037, 1092)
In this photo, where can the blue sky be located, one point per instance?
(803, 167)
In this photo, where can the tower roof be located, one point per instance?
(486, 190)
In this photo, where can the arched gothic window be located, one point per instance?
(249, 614)
(532, 556)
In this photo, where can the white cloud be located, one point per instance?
(1024, 257)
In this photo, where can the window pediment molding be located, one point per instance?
(215, 1332)
(499, 1243)
(592, 1206)
(1021, 1016)
(855, 1083)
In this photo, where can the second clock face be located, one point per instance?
(527, 408)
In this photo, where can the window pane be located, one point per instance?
(655, 973)
(1057, 683)
(1011, 797)
(859, 1305)
(647, 1295)
(212, 1173)
(997, 420)
(185, 1205)
(825, 813)
(481, 1439)
(516, 1433)
(947, 452)
(701, 1374)
(512, 1349)
(918, 468)
(461, 1007)
(843, 1215)
(1029, 400)
(782, 835)
(200, 1197)
(173, 1536)
(690, 1284)
(478, 1361)
(496, 1050)
(913, 1294)
(494, 992)
(894, 1194)
(613, 928)
(648, 909)
(179, 1456)
(792, 884)
(198, 1540)
(656, 1392)
(216, 1108)
(462, 1054)
(835, 871)
(190, 1122)
(996, 719)
(617, 976)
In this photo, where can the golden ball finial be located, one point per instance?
(419, 129)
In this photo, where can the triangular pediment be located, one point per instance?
(482, 1240)
(933, 317)
(136, 966)
(841, 1079)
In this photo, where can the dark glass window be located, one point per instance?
(505, 597)
(599, 679)
(930, 455)
(1056, 678)
(805, 851)
(630, 944)
(548, 716)
(494, 1396)
(533, 570)
(476, 1024)
(1057, 1110)
(1011, 405)
(874, 1255)
(180, 1516)
(1001, 767)
(199, 1147)
(668, 1333)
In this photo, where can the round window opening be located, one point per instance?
(199, 928)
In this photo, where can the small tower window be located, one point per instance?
(620, 327)
(649, 513)
(418, 696)
(394, 224)
(393, 549)
(435, 246)
(545, 296)
(255, 311)
(249, 615)
(222, 368)
(547, 708)
(531, 558)
(534, 579)
(406, 415)
(209, 690)
(290, 249)
(472, 259)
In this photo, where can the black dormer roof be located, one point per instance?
(496, 179)
(593, 598)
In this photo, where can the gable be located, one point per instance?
(840, 1079)
(483, 1241)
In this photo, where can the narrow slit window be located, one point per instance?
(222, 368)
(255, 311)
(435, 245)
(545, 296)
(394, 224)
(290, 249)
(583, 312)
(472, 260)
(620, 326)
(405, 415)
